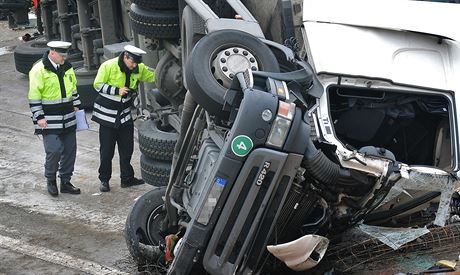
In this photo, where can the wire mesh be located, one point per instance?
(347, 258)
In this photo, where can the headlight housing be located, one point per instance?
(281, 124)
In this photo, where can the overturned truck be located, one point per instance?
(274, 128)
(285, 144)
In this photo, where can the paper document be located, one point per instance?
(82, 123)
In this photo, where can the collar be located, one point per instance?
(47, 63)
(52, 63)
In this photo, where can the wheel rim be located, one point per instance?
(152, 226)
(230, 61)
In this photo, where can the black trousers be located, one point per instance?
(124, 138)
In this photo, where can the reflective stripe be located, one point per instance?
(98, 89)
(58, 117)
(105, 88)
(52, 126)
(70, 123)
(35, 101)
(36, 114)
(125, 119)
(76, 102)
(104, 117)
(112, 97)
(57, 101)
(58, 125)
(36, 108)
(74, 92)
(105, 110)
(127, 110)
(116, 98)
(69, 115)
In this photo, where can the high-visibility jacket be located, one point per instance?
(53, 96)
(110, 109)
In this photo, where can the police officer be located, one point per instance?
(116, 82)
(53, 100)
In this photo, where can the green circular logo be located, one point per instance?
(241, 145)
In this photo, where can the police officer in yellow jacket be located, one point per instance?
(116, 82)
(53, 100)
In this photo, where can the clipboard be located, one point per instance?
(82, 123)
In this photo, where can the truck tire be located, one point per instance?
(14, 4)
(155, 24)
(26, 54)
(87, 96)
(157, 4)
(155, 143)
(85, 87)
(203, 77)
(143, 223)
(155, 172)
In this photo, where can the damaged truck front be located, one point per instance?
(389, 90)
(284, 150)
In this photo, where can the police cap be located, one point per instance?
(134, 53)
(59, 46)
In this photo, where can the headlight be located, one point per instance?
(281, 124)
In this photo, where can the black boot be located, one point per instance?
(104, 187)
(131, 182)
(52, 188)
(67, 187)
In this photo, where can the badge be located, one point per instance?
(242, 145)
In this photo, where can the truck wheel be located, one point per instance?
(216, 58)
(155, 172)
(26, 54)
(87, 96)
(155, 24)
(157, 4)
(85, 87)
(143, 224)
(156, 143)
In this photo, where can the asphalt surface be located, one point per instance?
(69, 234)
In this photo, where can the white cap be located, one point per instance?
(59, 44)
(134, 50)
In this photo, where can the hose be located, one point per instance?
(317, 164)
